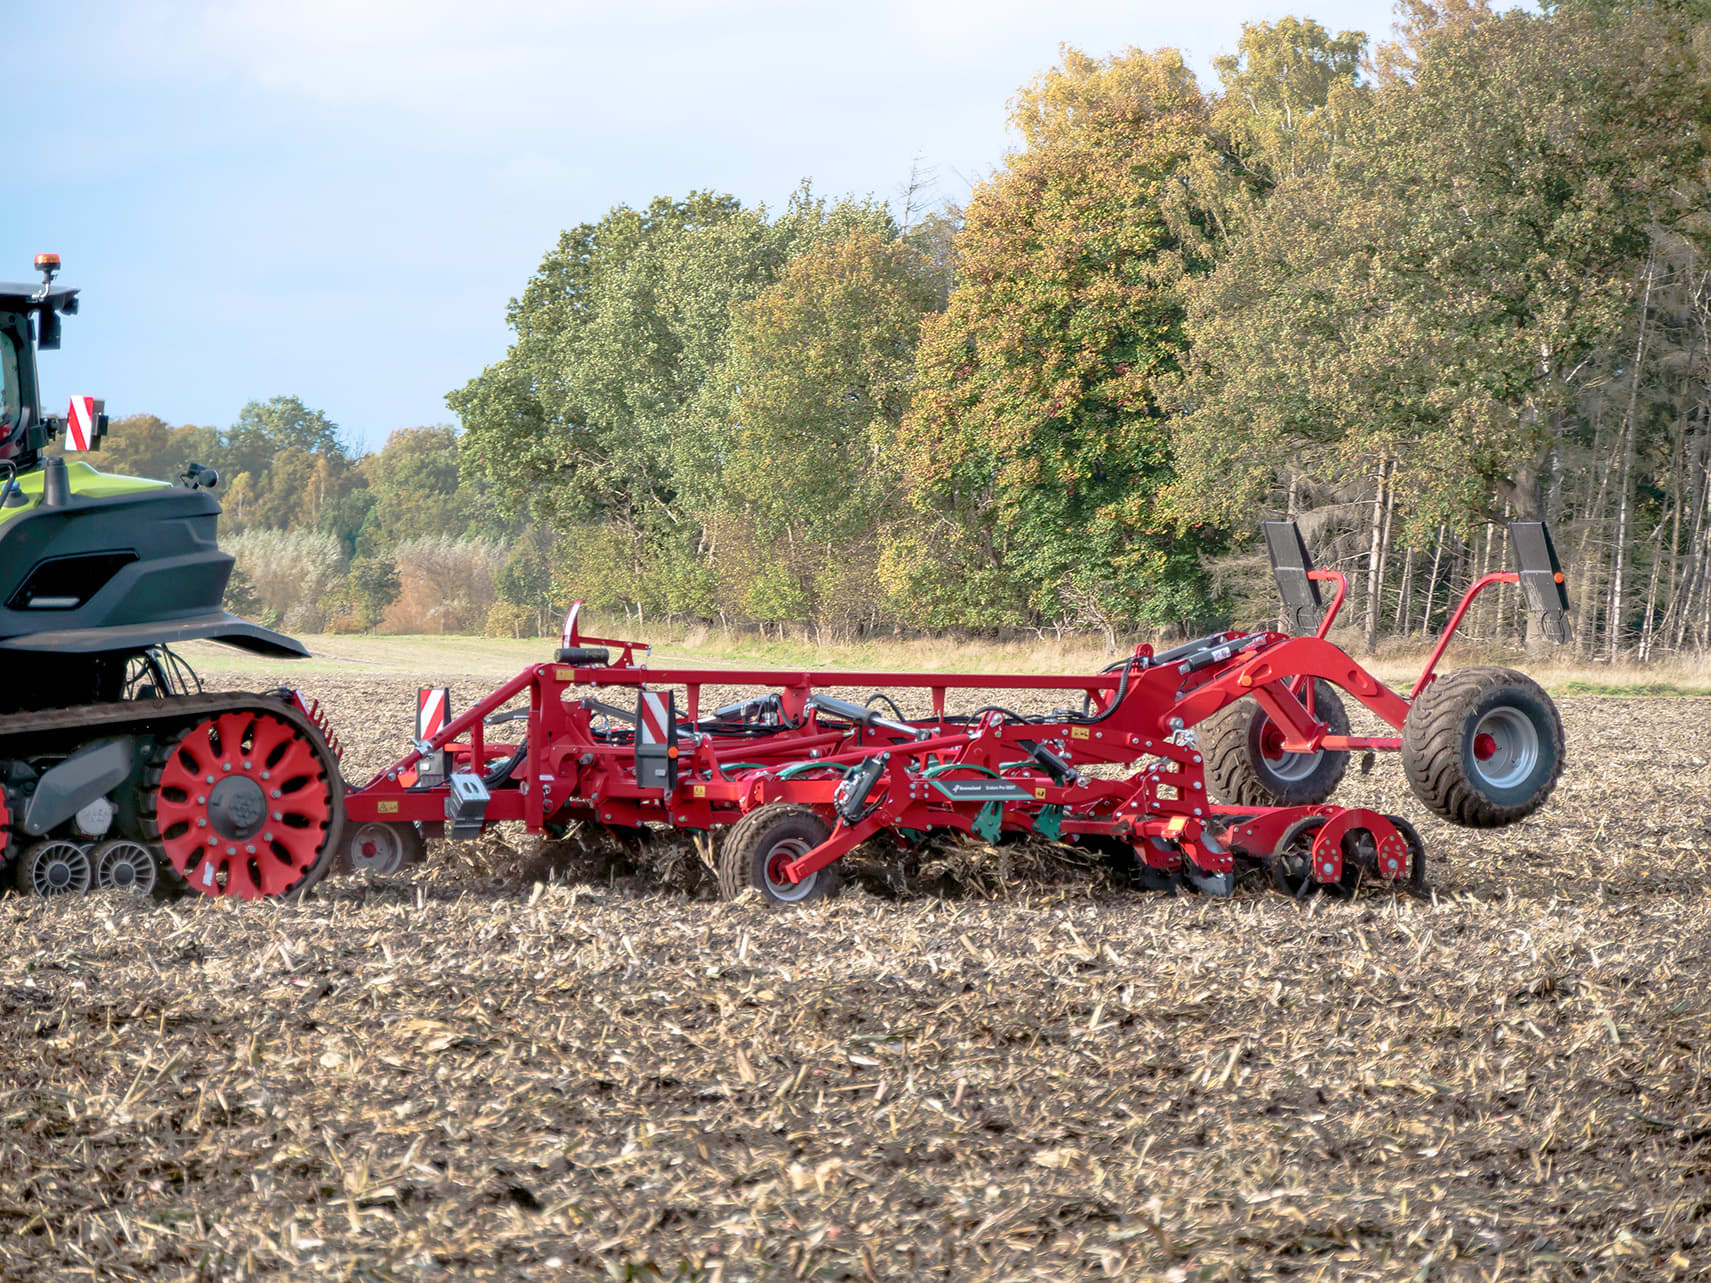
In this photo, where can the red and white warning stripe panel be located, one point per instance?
(656, 740)
(656, 714)
(433, 710)
(85, 423)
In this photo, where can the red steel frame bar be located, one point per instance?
(1479, 586)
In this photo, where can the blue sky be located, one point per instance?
(335, 198)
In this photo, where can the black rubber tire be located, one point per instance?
(1439, 748)
(1237, 773)
(752, 843)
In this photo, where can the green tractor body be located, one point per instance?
(99, 576)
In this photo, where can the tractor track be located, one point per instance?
(44, 732)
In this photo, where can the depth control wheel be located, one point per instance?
(1483, 746)
(381, 848)
(124, 865)
(759, 846)
(1246, 764)
(55, 867)
(243, 804)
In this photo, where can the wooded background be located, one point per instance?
(1400, 290)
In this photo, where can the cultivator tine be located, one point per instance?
(312, 710)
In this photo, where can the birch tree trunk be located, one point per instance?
(1432, 583)
(1375, 562)
(1624, 500)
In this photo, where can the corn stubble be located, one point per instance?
(979, 1063)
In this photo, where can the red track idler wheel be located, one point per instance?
(244, 807)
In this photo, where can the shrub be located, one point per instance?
(445, 585)
(290, 573)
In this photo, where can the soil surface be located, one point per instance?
(977, 1063)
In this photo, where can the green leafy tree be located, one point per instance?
(1290, 94)
(1036, 428)
(599, 414)
(820, 370)
(1438, 294)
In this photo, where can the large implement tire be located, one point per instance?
(1483, 746)
(1246, 764)
(759, 845)
(244, 804)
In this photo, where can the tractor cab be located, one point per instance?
(29, 319)
(96, 569)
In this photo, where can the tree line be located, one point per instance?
(1401, 291)
(327, 538)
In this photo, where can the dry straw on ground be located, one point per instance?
(950, 1072)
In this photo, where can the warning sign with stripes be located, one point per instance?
(433, 710)
(656, 740)
(83, 425)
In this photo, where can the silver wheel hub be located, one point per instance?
(376, 848)
(1505, 747)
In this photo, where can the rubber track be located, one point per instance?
(1229, 773)
(166, 717)
(1432, 747)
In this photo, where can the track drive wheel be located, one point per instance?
(1246, 764)
(1483, 746)
(381, 848)
(124, 865)
(244, 804)
(55, 867)
(759, 845)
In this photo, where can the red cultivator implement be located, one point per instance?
(1206, 756)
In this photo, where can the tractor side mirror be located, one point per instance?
(47, 329)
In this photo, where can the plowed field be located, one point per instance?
(988, 1064)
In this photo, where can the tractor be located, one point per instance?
(116, 769)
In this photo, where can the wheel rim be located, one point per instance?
(778, 884)
(125, 866)
(1504, 747)
(243, 806)
(58, 868)
(376, 848)
(1288, 767)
